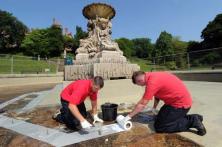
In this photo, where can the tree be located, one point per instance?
(193, 46)
(212, 33)
(44, 42)
(164, 45)
(68, 42)
(80, 34)
(126, 46)
(12, 32)
(55, 40)
(180, 48)
(143, 47)
(36, 43)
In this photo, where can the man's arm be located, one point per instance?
(156, 102)
(139, 107)
(94, 107)
(75, 111)
(94, 112)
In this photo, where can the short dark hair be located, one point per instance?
(98, 81)
(136, 74)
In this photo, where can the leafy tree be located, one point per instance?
(143, 47)
(164, 45)
(80, 34)
(12, 32)
(44, 42)
(68, 42)
(197, 58)
(55, 40)
(194, 46)
(210, 58)
(212, 33)
(180, 48)
(36, 43)
(126, 46)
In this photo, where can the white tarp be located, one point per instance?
(52, 136)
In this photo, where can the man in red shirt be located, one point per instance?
(73, 111)
(172, 117)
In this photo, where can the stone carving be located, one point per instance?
(99, 38)
(98, 54)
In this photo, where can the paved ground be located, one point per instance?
(206, 101)
(206, 97)
(7, 93)
(8, 82)
(12, 87)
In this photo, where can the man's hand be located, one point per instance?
(97, 119)
(85, 124)
(139, 107)
(123, 119)
(127, 118)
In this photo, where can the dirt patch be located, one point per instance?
(139, 136)
(10, 138)
(41, 116)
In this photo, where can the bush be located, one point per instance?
(171, 65)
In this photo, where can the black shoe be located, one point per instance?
(200, 117)
(201, 130)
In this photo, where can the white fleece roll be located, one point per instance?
(125, 125)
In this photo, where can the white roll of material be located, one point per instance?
(125, 125)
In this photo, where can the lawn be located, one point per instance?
(25, 65)
(146, 65)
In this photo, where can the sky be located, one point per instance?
(134, 18)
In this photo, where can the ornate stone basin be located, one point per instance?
(98, 9)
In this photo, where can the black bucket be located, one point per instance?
(109, 111)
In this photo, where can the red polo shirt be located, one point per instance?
(167, 87)
(78, 91)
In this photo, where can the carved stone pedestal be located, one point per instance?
(108, 64)
(105, 70)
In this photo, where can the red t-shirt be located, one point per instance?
(77, 91)
(167, 87)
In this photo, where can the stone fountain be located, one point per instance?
(98, 54)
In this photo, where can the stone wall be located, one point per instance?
(106, 70)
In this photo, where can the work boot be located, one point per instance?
(201, 130)
(200, 117)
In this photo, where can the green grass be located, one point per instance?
(145, 64)
(25, 65)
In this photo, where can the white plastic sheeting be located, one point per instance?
(34, 102)
(52, 136)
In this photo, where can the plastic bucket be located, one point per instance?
(109, 111)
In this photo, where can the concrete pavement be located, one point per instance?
(207, 100)
(8, 82)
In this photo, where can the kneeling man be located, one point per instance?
(172, 116)
(73, 112)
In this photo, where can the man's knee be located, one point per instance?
(163, 128)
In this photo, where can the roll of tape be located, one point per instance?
(125, 125)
